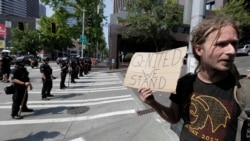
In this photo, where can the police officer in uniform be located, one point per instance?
(6, 59)
(77, 67)
(86, 66)
(21, 83)
(73, 72)
(81, 67)
(64, 71)
(46, 73)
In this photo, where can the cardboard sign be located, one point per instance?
(159, 71)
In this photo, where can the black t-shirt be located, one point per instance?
(210, 113)
(21, 74)
(73, 65)
(64, 67)
(47, 70)
(6, 62)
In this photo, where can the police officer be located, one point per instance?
(46, 73)
(78, 65)
(5, 67)
(86, 66)
(81, 60)
(89, 64)
(21, 83)
(64, 71)
(73, 68)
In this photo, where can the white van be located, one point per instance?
(73, 52)
(244, 49)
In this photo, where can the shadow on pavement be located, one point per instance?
(40, 136)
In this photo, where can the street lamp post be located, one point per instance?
(197, 14)
(83, 15)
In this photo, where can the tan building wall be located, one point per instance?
(119, 5)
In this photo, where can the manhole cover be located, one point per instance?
(77, 110)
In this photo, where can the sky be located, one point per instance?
(107, 11)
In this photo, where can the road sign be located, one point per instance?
(83, 39)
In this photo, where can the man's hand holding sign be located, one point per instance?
(158, 71)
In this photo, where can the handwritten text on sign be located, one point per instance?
(159, 71)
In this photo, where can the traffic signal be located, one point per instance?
(20, 26)
(89, 21)
(53, 27)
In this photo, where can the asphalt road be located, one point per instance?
(96, 100)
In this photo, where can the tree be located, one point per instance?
(237, 10)
(26, 41)
(93, 33)
(153, 20)
(61, 38)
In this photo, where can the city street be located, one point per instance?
(98, 107)
(96, 100)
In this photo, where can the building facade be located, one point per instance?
(116, 42)
(14, 12)
(120, 5)
(32, 7)
(118, 45)
(42, 10)
(20, 8)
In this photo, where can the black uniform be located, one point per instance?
(19, 90)
(64, 71)
(47, 82)
(86, 70)
(78, 65)
(89, 64)
(81, 67)
(5, 68)
(73, 66)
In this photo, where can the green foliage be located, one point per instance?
(153, 20)
(237, 10)
(128, 57)
(26, 41)
(94, 33)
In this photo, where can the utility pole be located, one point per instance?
(83, 16)
(196, 16)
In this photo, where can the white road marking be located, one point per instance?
(77, 139)
(68, 119)
(74, 101)
(85, 90)
(89, 80)
(42, 105)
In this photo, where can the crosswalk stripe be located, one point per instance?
(83, 90)
(77, 139)
(68, 119)
(92, 84)
(42, 105)
(89, 80)
(75, 101)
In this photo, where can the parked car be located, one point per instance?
(244, 49)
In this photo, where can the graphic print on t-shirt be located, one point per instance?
(207, 111)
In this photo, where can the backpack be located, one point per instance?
(241, 96)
